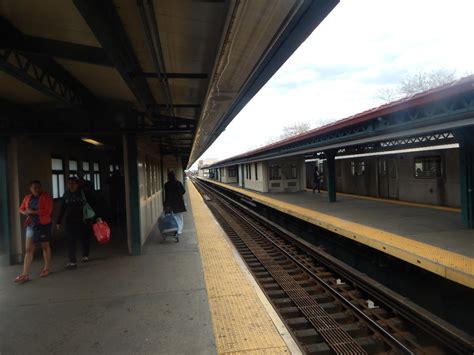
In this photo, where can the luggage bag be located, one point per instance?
(168, 226)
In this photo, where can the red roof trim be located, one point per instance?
(455, 88)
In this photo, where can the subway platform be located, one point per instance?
(432, 238)
(191, 297)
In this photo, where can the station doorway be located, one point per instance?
(387, 173)
(97, 163)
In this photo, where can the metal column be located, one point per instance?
(131, 162)
(331, 175)
(4, 201)
(466, 175)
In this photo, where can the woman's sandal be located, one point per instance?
(22, 278)
(44, 273)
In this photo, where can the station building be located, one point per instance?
(115, 91)
(417, 149)
(397, 178)
(203, 164)
(120, 93)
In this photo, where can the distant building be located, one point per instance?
(203, 164)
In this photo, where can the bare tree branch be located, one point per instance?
(413, 84)
(290, 131)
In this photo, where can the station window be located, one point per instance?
(158, 177)
(57, 177)
(87, 170)
(357, 168)
(248, 171)
(256, 171)
(428, 167)
(73, 168)
(113, 168)
(232, 172)
(383, 171)
(293, 172)
(148, 176)
(96, 175)
(153, 177)
(275, 172)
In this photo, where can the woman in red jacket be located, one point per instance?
(38, 207)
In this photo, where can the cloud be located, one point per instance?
(360, 47)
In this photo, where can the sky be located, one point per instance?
(361, 46)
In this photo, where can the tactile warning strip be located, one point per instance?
(336, 337)
(240, 322)
(450, 265)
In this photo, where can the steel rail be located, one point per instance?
(444, 332)
(372, 323)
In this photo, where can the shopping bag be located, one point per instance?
(88, 212)
(101, 232)
(167, 223)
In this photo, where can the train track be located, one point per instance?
(329, 307)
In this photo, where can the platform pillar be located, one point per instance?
(331, 175)
(466, 175)
(5, 230)
(130, 150)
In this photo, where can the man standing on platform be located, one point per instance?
(316, 178)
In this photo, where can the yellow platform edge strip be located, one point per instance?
(241, 324)
(397, 202)
(450, 265)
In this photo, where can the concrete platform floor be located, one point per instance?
(439, 228)
(155, 303)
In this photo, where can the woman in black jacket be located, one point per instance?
(174, 191)
(72, 212)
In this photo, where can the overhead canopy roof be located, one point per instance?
(432, 117)
(180, 67)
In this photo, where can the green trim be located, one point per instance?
(331, 176)
(134, 194)
(466, 176)
(445, 111)
(5, 231)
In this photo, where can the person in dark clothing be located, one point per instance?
(174, 191)
(316, 179)
(76, 228)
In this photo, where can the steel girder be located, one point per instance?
(78, 52)
(181, 105)
(175, 75)
(52, 48)
(46, 76)
(19, 119)
(42, 73)
(417, 141)
(105, 23)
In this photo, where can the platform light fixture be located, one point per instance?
(91, 141)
